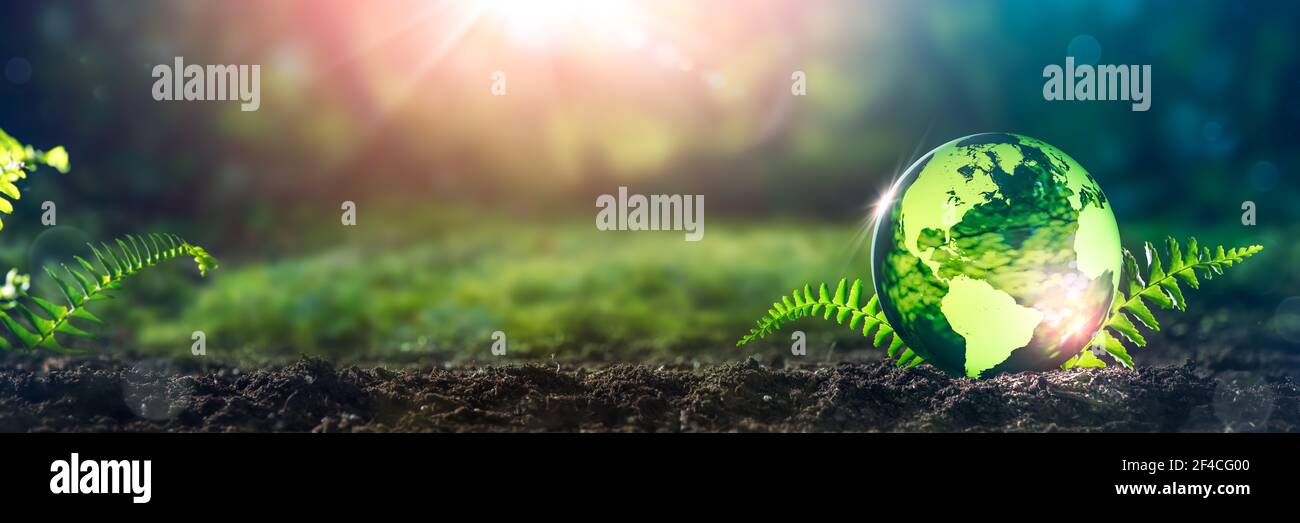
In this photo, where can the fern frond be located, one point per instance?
(845, 304)
(16, 160)
(1160, 287)
(43, 320)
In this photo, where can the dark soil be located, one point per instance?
(314, 395)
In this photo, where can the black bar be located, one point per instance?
(320, 473)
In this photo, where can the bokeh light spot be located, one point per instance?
(1263, 176)
(1286, 320)
(18, 70)
(1243, 401)
(1085, 49)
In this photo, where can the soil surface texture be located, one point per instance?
(314, 395)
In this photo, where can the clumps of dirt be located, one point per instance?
(314, 395)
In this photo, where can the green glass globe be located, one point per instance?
(995, 253)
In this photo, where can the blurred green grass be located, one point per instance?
(558, 290)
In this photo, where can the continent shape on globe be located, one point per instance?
(996, 253)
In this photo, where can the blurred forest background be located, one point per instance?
(475, 211)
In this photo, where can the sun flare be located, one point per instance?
(536, 22)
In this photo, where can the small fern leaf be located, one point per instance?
(1170, 288)
(202, 259)
(869, 323)
(128, 256)
(1131, 274)
(855, 320)
(885, 330)
(1085, 359)
(50, 309)
(28, 338)
(1153, 262)
(1189, 276)
(1175, 254)
(855, 292)
(1142, 313)
(895, 344)
(838, 299)
(1121, 324)
(1157, 295)
(42, 324)
(873, 305)
(90, 268)
(157, 248)
(88, 287)
(74, 298)
(905, 358)
(141, 259)
(83, 314)
(69, 329)
(115, 268)
(1193, 252)
(1115, 348)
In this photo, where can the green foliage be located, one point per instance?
(42, 320)
(844, 304)
(202, 259)
(16, 160)
(1159, 287)
(438, 289)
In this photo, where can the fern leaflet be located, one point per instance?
(846, 303)
(45, 320)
